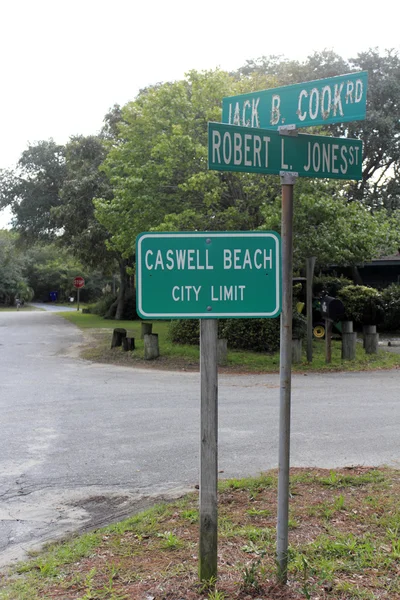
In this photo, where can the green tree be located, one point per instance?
(337, 232)
(32, 190)
(158, 167)
(49, 267)
(13, 284)
(380, 131)
(81, 231)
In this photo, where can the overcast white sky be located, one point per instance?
(66, 62)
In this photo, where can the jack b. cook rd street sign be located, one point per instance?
(337, 99)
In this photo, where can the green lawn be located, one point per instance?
(187, 357)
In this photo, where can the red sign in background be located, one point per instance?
(79, 282)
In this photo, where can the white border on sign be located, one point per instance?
(208, 315)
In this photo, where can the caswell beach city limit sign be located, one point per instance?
(333, 100)
(208, 275)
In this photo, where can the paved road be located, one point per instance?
(49, 307)
(82, 444)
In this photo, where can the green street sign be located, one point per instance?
(208, 275)
(332, 100)
(250, 150)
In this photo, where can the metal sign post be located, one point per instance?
(287, 180)
(208, 449)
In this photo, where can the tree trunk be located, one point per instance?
(123, 288)
(118, 337)
(356, 276)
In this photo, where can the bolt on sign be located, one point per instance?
(208, 275)
(332, 100)
(251, 150)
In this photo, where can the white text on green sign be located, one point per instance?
(208, 275)
(232, 148)
(332, 100)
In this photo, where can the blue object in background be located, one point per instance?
(53, 296)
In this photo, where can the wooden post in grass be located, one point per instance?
(128, 344)
(349, 340)
(119, 334)
(222, 351)
(328, 341)
(145, 329)
(208, 449)
(297, 346)
(371, 339)
(151, 348)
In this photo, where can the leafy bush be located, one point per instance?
(363, 305)
(185, 331)
(391, 301)
(257, 335)
(329, 284)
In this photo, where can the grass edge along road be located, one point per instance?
(186, 357)
(343, 534)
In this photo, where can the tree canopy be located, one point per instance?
(147, 170)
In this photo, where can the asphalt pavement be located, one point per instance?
(83, 444)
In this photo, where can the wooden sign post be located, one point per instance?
(208, 449)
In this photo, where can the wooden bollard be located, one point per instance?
(297, 345)
(119, 335)
(222, 351)
(371, 339)
(151, 349)
(349, 341)
(146, 329)
(129, 344)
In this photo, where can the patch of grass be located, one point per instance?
(175, 356)
(170, 541)
(191, 515)
(340, 480)
(354, 555)
(250, 484)
(256, 513)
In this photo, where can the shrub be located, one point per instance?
(185, 331)
(329, 284)
(391, 301)
(257, 335)
(363, 305)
